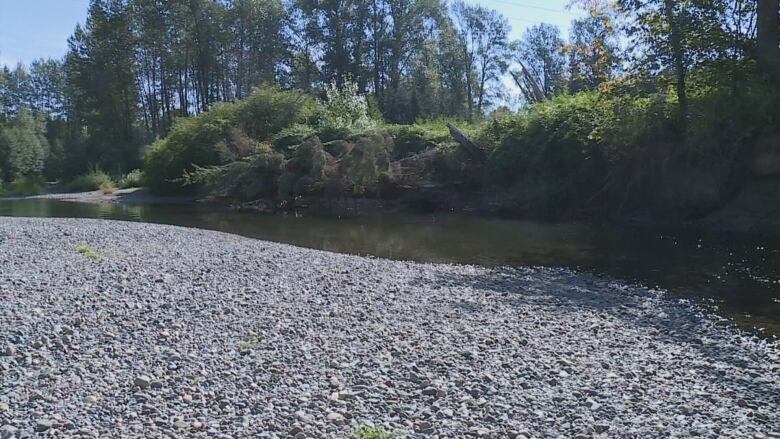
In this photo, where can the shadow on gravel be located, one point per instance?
(667, 320)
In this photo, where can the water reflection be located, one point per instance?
(739, 272)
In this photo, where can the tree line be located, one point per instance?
(136, 66)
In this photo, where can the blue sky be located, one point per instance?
(31, 29)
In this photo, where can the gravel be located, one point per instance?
(178, 332)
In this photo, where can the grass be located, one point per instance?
(371, 432)
(88, 251)
(95, 180)
(134, 178)
(246, 345)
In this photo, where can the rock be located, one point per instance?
(8, 431)
(42, 425)
(4, 407)
(423, 427)
(425, 350)
(142, 382)
(8, 351)
(336, 418)
(301, 416)
(430, 391)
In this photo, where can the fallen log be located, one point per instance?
(472, 148)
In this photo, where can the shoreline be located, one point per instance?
(726, 220)
(188, 332)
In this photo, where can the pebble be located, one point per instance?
(142, 381)
(339, 341)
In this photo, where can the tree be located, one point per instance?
(258, 45)
(541, 52)
(101, 73)
(23, 146)
(47, 79)
(591, 51)
(768, 43)
(483, 34)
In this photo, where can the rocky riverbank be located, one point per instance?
(116, 329)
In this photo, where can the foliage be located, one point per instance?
(95, 180)
(370, 432)
(134, 178)
(345, 109)
(414, 139)
(483, 34)
(541, 52)
(229, 131)
(547, 154)
(88, 251)
(648, 106)
(23, 186)
(23, 146)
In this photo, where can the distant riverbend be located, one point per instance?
(174, 331)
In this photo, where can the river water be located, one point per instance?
(736, 273)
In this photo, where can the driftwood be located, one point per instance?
(530, 88)
(472, 148)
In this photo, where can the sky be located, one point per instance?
(31, 29)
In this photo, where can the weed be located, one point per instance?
(371, 432)
(88, 251)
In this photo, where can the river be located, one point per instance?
(737, 274)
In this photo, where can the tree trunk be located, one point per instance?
(472, 148)
(679, 62)
(768, 43)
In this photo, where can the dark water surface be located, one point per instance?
(739, 273)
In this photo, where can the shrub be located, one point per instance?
(134, 178)
(409, 140)
(248, 179)
(95, 180)
(548, 154)
(345, 109)
(227, 132)
(291, 136)
(23, 186)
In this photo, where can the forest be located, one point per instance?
(657, 108)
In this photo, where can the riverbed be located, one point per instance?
(735, 274)
(127, 329)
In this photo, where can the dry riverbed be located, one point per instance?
(118, 329)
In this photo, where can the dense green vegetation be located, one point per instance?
(652, 108)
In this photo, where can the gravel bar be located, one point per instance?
(120, 329)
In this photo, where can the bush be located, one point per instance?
(345, 109)
(248, 179)
(547, 155)
(227, 132)
(23, 186)
(95, 180)
(134, 178)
